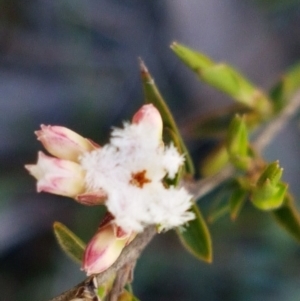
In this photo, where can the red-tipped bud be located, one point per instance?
(151, 118)
(104, 248)
(63, 143)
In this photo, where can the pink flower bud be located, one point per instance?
(104, 248)
(63, 143)
(150, 117)
(57, 176)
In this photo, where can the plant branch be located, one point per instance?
(198, 188)
(278, 123)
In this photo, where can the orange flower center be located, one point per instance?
(139, 179)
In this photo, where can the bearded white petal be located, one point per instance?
(134, 137)
(173, 208)
(172, 160)
(129, 206)
(104, 168)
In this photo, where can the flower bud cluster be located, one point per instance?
(269, 192)
(127, 175)
(63, 174)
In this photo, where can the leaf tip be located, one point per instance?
(173, 44)
(209, 259)
(56, 225)
(233, 217)
(143, 67)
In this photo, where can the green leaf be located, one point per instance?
(217, 159)
(224, 78)
(195, 60)
(218, 212)
(288, 217)
(152, 95)
(229, 81)
(196, 237)
(237, 143)
(237, 137)
(72, 245)
(286, 87)
(237, 201)
(273, 173)
(218, 202)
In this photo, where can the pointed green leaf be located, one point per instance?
(72, 245)
(196, 237)
(218, 202)
(195, 60)
(217, 159)
(152, 95)
(224, 78)
(237, 137)
(286, 87)
(237, 143)
(237, 201)
(288, 217)
(273, 173)
(218, 212)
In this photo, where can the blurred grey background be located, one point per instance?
(74, 63)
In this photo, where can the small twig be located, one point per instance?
(123, 276)
(274, 127)
(204, 186)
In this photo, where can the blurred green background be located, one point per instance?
(74, 63)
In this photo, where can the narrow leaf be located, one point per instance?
(286, 87)
(224, 78)
(217, 159)
(237, 137)
(72, 245)
(218, 212)
(218, 201)
(288, 217)
(196, 237)
(272, 172)
(237, 202)
(152, 95)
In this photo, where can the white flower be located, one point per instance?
(131, 168)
